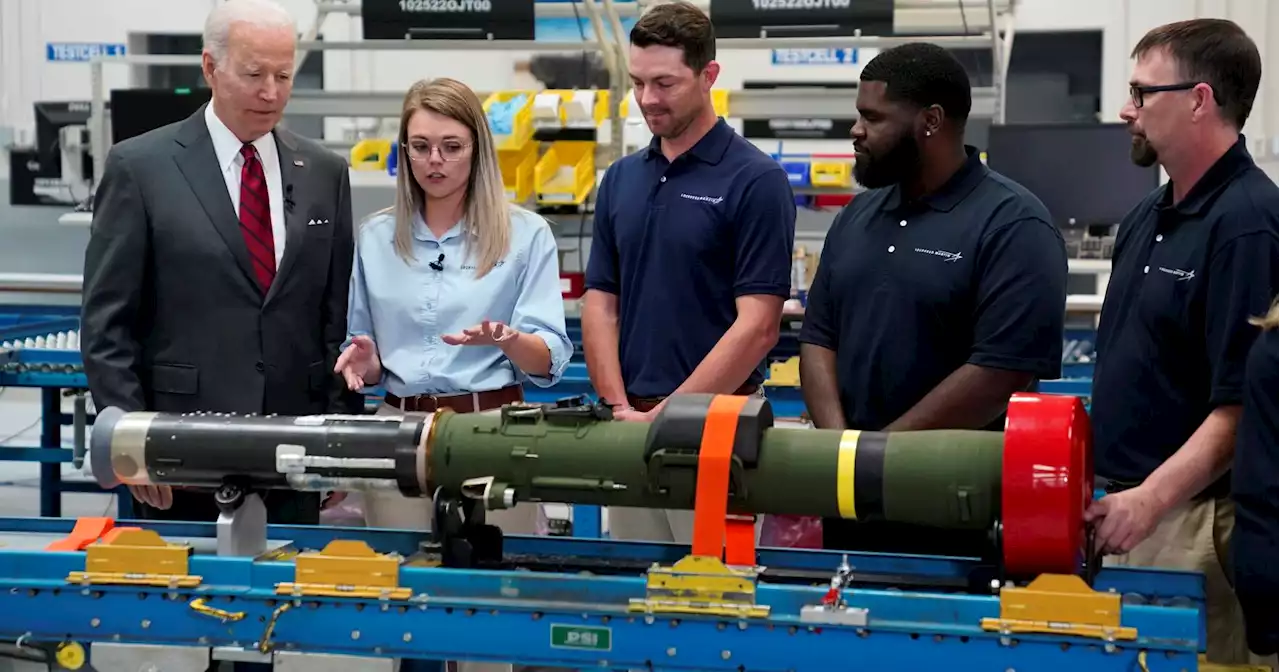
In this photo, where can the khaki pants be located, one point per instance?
(392, 510)
(1196, 537)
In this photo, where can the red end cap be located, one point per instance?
(1047, 484)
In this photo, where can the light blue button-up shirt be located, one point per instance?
(406, 307)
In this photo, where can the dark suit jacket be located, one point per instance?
(173, 318)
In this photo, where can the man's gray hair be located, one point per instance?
(262, 13)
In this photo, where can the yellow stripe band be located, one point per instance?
(844, 473)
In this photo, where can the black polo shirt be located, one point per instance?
(1254, 546)
(908, 292)
(679, 241)
(1174, 331)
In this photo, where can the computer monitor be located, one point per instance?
(136, 111)
(1082, 172)
(53, 120)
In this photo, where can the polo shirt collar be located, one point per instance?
(954, 190)
(1235, 161)
(709, 149)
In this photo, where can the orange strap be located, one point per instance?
(86, 531)
(711, 500)
(740, 540)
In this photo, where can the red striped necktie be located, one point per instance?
(255, 217)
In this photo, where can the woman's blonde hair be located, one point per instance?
(485, 207)
(1268, 321)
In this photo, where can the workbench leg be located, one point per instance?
(51, 439)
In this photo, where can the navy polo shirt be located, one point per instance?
(908, 292)
(1254, 547)
(1174, 331)
(679, 241)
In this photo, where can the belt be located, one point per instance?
(646, 404)
(462, 403)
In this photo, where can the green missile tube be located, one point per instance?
(948, 479)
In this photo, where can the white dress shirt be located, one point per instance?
(227, 148)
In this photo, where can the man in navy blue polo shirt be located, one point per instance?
(940, 291)
(1193, 262)
(691, 251)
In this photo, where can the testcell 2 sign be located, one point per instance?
(801, 18)
(447, 19)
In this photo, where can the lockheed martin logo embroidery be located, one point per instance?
(948, 257)
(1181, 275)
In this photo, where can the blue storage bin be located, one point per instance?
(797, 172)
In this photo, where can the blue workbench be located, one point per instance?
(579, 620)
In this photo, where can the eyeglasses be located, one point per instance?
(1136, 92)
(450, 150)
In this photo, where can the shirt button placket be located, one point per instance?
(434, 280)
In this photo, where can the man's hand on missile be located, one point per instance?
(156, 496)
(485, 333)
(1124, 519)
(630, 414)
(359, 363)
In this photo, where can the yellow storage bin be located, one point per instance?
(566, 173)
(521, 123)
(831, 174)
(371, 154)
(517, 166)
(719, 101)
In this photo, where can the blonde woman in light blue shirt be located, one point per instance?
(455, 294)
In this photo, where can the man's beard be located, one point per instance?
(899, 164)
(675, 125)
(1142, 153)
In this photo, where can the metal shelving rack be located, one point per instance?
(915, 21)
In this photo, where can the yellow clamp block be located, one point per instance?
(138, 557)
(346, 568)
(1060, 604)
(784, 374)
(700, 585)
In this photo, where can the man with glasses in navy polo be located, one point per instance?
(1193, 263)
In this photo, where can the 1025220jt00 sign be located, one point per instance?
(447, 5)
(800, 4)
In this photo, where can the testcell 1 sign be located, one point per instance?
(801, 18)
(447, 19)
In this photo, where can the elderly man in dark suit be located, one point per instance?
(219, 259)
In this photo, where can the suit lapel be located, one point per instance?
(199, 165)
(293, 173)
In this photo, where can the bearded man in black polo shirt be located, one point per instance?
(940, 292)
(1193, 262)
